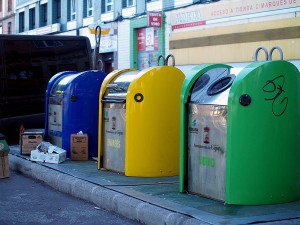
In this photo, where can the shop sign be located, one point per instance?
(106, 29)
(154, 19)
(108, 44)
(198, 15)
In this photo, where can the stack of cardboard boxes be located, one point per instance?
(32, 142)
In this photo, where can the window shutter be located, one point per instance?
(103, 6)
(85, 8)
(69, 10)
(124, 3)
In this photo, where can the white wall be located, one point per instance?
(168, 30)
(154, 6)
(178, 3)
(124, 45)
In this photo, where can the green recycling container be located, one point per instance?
(239, 140)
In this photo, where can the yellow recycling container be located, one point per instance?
(139, 122)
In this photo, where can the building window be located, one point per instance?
(44, 15)
(128, 3)
(73, 9)
(9, 28)
(89, 7)
(21, 22)
(9, 5)
(109, 5)
(31, 18)
(57, 11)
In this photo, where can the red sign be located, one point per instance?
(141, 33)
(193, 24)
(154, 19)
(147, 39)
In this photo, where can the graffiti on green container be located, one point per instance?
(207, 161)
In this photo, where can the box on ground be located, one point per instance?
(53, 155)
(4, 163)
(79, 147)
(30, 139)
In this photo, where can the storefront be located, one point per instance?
(147, 38)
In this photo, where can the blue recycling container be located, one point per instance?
(71, 106)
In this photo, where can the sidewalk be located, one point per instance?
(148, 200)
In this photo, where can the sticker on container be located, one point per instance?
(206, 135)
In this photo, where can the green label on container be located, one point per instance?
(207, 161)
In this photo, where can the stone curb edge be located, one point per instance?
(104, 198)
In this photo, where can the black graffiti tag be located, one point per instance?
(279, 101)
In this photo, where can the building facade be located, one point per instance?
(135, 33)
(7, 16)
(231, 31)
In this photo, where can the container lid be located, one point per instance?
(213, 86)
(59, 86)
(119, 86)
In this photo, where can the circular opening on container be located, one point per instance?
(220, 85)
(201, 82)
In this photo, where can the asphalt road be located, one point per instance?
(27, 201)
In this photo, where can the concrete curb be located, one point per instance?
(122, 204)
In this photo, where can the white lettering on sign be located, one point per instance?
(154, 14)
(154, 19)
(188, 17)
(155, 24)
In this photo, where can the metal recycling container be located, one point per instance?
(114, 108)
(207, 117)
(236, 145)
(139, 122)
(72, 106)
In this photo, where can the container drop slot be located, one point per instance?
(221, 85)
(113, 100)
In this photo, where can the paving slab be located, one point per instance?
(160, 193)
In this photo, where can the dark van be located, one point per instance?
(27, 62)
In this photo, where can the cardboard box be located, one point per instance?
(79, 147)
(37, 156)
(54, 155)
(4, 165)
(29, 140)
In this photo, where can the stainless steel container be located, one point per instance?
(114, 122)
(207, 134)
